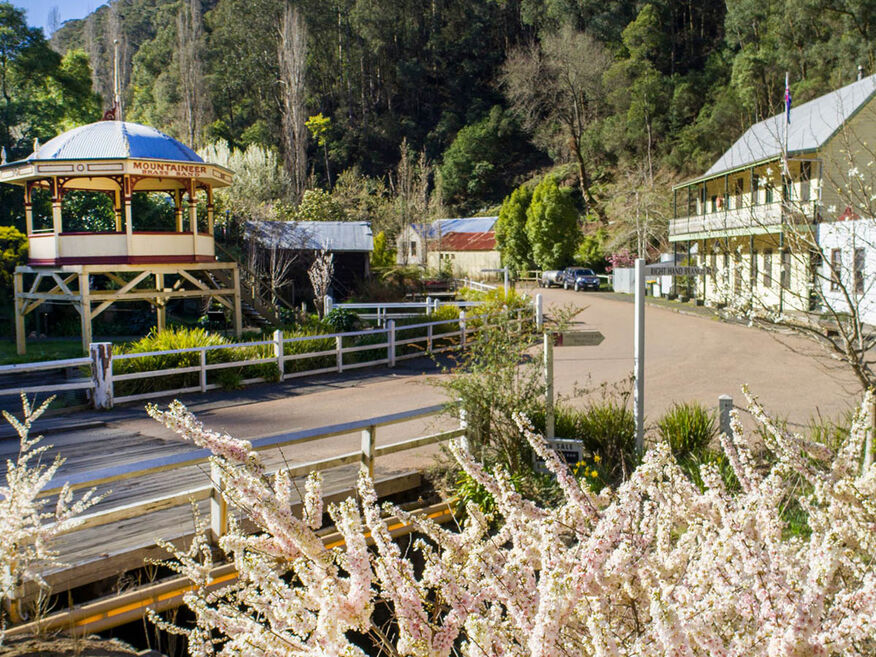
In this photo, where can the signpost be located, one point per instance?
(643, 270)
(570, 338)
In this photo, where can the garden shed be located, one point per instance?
(284, 250)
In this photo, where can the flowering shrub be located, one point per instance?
(622, 258)
(656, 566)
(26, 526)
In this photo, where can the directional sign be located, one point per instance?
(670, 270)
(579, 338)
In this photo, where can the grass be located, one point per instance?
(40, 350)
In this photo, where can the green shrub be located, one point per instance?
(13, 252)
(188, 338)
(689, 428)
(366, 354)
(608, 430)
(341, 319)
(312, 328)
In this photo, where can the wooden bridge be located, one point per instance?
(153, 497)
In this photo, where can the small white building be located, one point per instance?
(415, 241)
(465, 254)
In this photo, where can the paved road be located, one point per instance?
(690, 355)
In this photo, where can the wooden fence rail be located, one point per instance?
(393, 343)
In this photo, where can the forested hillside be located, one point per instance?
(446, 106)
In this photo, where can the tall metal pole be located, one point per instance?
(116, 92)
(639, 356)
(548, 385)
(507, 281)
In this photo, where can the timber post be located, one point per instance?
(369, 436)
(19, 301)
(101, 354)
(218, 506)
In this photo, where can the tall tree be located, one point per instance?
(292, 54)
(556, 88)
(552, 225)
(511, 236)
(189, 23)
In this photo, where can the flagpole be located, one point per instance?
(787, 171)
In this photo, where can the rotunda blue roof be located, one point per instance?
(114, 140)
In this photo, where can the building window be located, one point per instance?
(753, 265)
(714, 203)
(786, 269)
(413, 248)
(738, 184)
(836, 265)
(755, 186)
(768, 193)
(768, 268)
(703, 198)
(714, 265)
(860, 255)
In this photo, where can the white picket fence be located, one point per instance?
(381, 312)
(393, 343)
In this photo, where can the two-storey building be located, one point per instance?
(760, 215)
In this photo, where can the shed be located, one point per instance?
(292, 246)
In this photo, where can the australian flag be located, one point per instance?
(787, 102)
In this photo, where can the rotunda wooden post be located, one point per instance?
(117, 208)
(28, 208)
(56, 207)
(193, 214)
(129, 218)
(177, 209)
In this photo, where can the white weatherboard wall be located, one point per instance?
(623, 279)
(848, 236)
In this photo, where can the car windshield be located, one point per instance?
(587, 272)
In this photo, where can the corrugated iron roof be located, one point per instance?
(114, 140)
(485, 241)
(313, 235)
(458, 225)
(812, 124)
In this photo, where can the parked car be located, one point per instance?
(578, 278)
(550, 278)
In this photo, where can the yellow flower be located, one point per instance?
(594, 474)
(597, 458)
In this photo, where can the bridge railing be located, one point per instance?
(366, 456)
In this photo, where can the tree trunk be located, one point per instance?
(589, 202)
